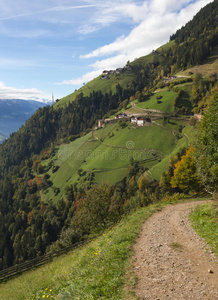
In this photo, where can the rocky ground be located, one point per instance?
(171, 260)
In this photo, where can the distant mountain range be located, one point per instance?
(14, 113)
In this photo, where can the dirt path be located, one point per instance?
(170, 259)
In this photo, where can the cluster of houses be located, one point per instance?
(121, 115)
(136, 121)
(166, 79)
(140, 121)
(106, 74)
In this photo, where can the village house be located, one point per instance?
(101, 123)
(119, 70)
(128, 67)
(120, 116)
(104, 77)
(198, 116)
(166, 79)
(140, 121)
(134, 120)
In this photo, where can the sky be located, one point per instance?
(55, 46)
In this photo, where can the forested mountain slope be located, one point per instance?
(35, 211)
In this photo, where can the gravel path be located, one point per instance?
(170, 260)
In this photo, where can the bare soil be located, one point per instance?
(171, 261)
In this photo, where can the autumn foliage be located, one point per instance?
(185, 177)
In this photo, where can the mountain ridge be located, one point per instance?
(14, 113)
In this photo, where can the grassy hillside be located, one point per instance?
(52, 169)
(105, 86)
(106, 156)
(94, 271)
(100, 269)
(210, 66)
(164, 104)
(125, 79)
(184, 141)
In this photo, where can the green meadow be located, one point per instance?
(105, 154)
(164, 104)
(184, 141)
(108, 155)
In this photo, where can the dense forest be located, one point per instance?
(29, 227)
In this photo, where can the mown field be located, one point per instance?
(164, 104)
(108, 155)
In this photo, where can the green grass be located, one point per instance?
(69, 159)
(110, 160)
(185, 141)
(108, 157)
(175, 246)
(190, 131)
(102, 133)
(124, 79)
(95, 271)
(172, 124)
(205, 222)
(101, 269)
(166, 102)
(149, 137)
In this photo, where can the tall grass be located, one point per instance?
(205, 222)
(95, 271)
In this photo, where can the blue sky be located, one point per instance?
(54, 46)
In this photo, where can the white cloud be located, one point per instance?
(110, 63)
(127, 10)
(151, 23)
(107, 49)
(165, 6)
(159, 19)
(153, 31)
(83, 79)
(7, 92)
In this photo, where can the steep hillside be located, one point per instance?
(107, 157)
(49, 168)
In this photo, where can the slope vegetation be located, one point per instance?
(49, 168)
